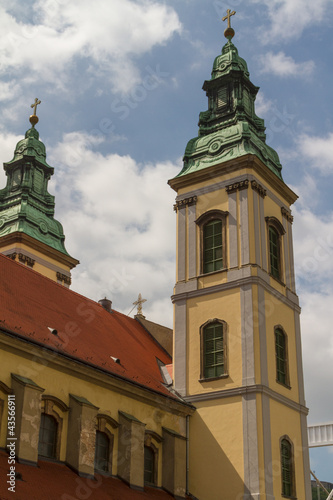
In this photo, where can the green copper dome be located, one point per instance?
(230, 127)
(228, 61)
(30, 146)
(26, 206)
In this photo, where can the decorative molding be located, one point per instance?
(287, 214)
(223, 184)
(185, 202)
(56, 401)
(153, 435)
(250, 389)
(108, 420)
(26, 260)
(257, 187)
(64, 278)
(13, 252)
(237, 186)
(290, 300)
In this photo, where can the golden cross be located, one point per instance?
(35, 105)
(228, 16)
(139, 303)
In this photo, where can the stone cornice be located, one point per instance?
(18, 237)
(237, 186)
(244, 390)
(287, 214)
(237, 283)
(192, 200)
(257, 187)
(64, 278)
(247, 161)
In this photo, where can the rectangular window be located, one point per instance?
(213, 257)
(222, 97)
(213, 350)
(274, 252)
(149, 461)
(281, 356)
(286, 468)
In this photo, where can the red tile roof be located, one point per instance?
(54, 481)
(31, 305)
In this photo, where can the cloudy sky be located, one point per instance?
(120, 84)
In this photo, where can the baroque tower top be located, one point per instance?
(27, 221)
(230, 127)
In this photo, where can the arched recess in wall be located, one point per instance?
(152, 456)
(57, 409)
(105, 443)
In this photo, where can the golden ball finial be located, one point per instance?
(229, 33)
(33, 120)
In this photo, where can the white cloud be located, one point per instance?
(316, 323)
(313, 246)
(289, 18)
(263, 105)
(281, 65)
(318, 151)
(120, 212)
(107, 36)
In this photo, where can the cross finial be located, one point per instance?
(229, 32)
(35, 104)
(34, 118)
(139, 303)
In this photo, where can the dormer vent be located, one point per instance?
(116, 360)
(53, 330)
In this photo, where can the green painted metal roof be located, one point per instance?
(230, 127)
(25, 204)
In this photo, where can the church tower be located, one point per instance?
(28, 231)
(237, 346)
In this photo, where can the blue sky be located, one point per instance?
(120, 84)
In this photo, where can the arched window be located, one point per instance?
(213, 352)
(149, 466)
(213, 244)
(47, 444)
(287, 468)
(275, 233)
(102, 452)
(282, 374)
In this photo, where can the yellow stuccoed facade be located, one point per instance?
(241, 417)
(57, 380)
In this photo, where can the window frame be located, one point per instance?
(275, 224)
(291, 471)
(201, 222)
(286, 383)
(224, 325)
(109, 451)
(104, 422)
(49, 403)
(55, 442)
